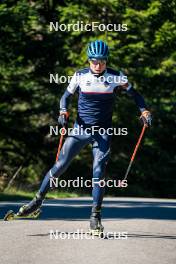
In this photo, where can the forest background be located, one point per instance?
(29, 104)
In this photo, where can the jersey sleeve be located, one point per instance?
(64, 101)
(124, 82)
(71, 88)
(73, 84)
(137, 97)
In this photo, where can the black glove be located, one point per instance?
(63, 119)
(146, 118)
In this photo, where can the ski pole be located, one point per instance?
(60, 143)
(135, 150)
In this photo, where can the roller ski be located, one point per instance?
(31, 210)
(96, 227)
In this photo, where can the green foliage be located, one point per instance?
(29, 52)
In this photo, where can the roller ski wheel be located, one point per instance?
(23, 214)
(10, 215)
(30, 210)
(97, 232)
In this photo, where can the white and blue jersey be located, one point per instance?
(96, 96)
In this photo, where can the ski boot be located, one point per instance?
(96, 227)
(30, 210)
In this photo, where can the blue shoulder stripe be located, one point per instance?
(82, 71)
(114, 72)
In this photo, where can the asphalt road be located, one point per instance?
(137, 231)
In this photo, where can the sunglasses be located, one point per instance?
(96, 62)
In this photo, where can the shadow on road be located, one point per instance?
(109, 235)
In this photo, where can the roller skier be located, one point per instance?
(96, 87)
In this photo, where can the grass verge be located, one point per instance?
(13, 194)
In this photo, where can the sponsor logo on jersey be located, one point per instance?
(88, 83)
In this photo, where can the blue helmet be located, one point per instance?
(98, 50)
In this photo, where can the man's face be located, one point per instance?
(97, 66)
